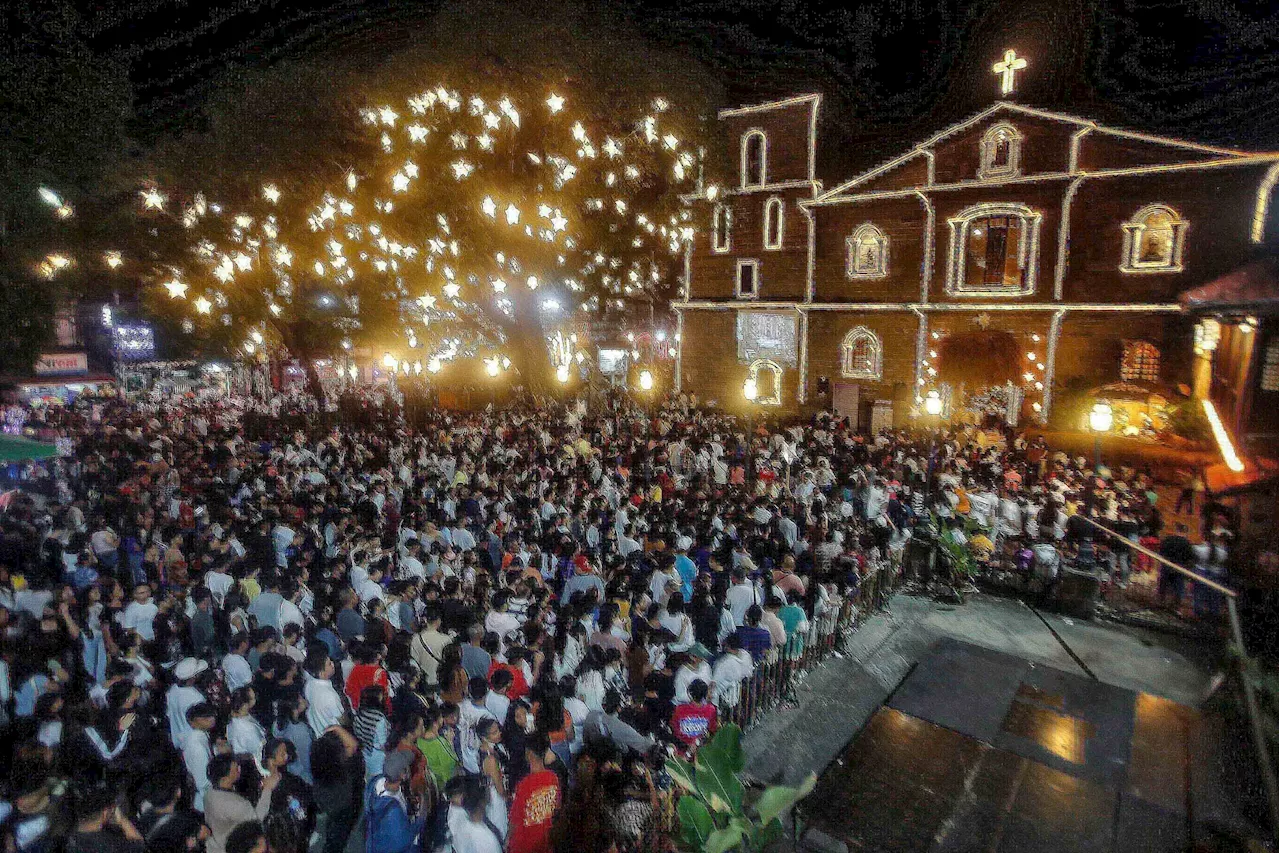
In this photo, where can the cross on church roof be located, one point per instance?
(1007, 68)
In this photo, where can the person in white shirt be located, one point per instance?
(182, 696)
(731, 670)
(471, 712)
(245, 735)
(197, 749)
(741, 596)
(141, 613)
(235, 667)
(496, 701)
(325, 707)
(290, 612)
(499, 620)
(282, 537)
(371, 588)
(219, 583)
(692, 670)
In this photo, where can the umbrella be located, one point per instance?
(14, 448)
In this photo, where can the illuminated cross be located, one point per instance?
(1007, 68)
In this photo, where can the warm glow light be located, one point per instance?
(489, 207)
(1101, 417)
(112, 259)
(389, 361)
(1008, 68)
(513, 214)
(562, 373)
(749, 390)
(646, 381)
(555, 103)
(271, 193)
(153, 199)
(177, 289)
(433, 366)
(933, 403)
(1220, 435)
(491, 366)
(203, 305)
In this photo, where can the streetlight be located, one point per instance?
(750, 390)
(932, 406)
(1100, 419)
(933, 403)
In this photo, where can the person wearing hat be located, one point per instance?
(182, 696)
(694, 667)
(388, 826)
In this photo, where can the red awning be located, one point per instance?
(1251, 287)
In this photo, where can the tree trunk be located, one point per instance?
(528, 354)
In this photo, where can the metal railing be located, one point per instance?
(1237, 639)
(776, 677)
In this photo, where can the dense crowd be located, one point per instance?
(478, 634)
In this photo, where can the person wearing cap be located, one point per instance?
(182, 696)
(388, 826)
(583, 579)
(694, 667)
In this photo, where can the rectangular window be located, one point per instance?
(748, 279)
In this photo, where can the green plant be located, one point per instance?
(956, 554)
(1187, 420)
(713, 817)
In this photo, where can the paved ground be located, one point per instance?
(837, 699)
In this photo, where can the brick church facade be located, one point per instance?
(1042, 245)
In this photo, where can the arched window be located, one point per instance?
(1000, 152)
(755, 151)
(1153, 240)
(773, 223)
(721, 228)
(767, 375)
(867, 253)
(994, 251)
(860, 354)
(1141, 361)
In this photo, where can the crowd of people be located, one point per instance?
(480, 633)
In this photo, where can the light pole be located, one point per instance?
(1100, 419)
(933, 407)
(750, 390)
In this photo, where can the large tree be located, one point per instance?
(480, 223)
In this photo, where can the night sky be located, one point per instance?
(892, 72)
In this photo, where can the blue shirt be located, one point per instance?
(688, 572)
(757, 641)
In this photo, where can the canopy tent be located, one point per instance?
(14, 448)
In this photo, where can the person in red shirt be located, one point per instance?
(535, 801)
(694, 721)
(519, 686)
(368, 671)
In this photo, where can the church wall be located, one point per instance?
(1217, 204)
(1045, 148)
(901, 220)
(787, 132)
(709, 361)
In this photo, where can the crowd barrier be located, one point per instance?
(777, 676)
